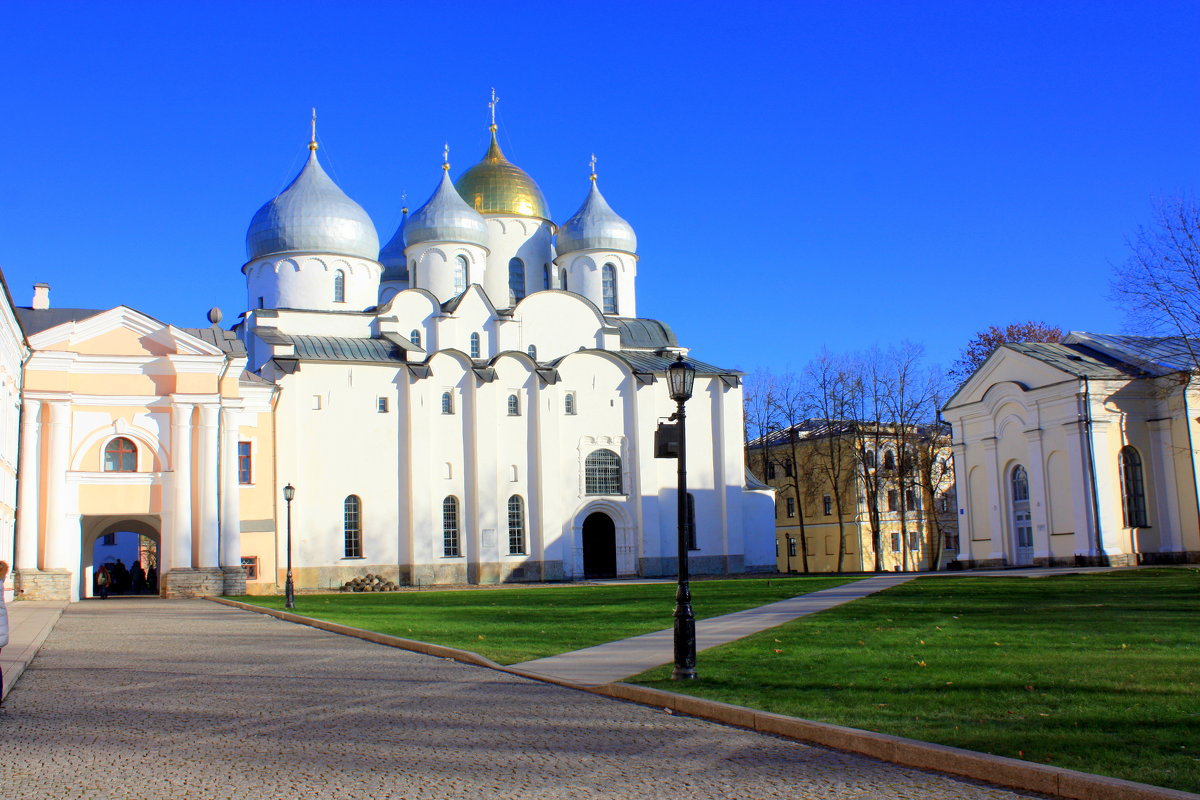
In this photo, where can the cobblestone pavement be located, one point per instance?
(147, 698)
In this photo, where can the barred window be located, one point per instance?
(1133, 489)
(120, 455)
(353, 526)
(447, 403)
(569, 403)
(516, 526)
(245, 464)
(602, 473)
(450, 548)
(474, 345)
(532, 350)
(609, 288)
(415, 337)
(339, 287)
(514, 406)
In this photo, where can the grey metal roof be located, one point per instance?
(753, 482)
(1078, 360)
(312, 215)
(250, 378)
(1157, 354)
(395, 265)
(337, 348)
(36, 320)
(643, 334)
(654, 364)
(446, 217)
(595, 226)
(227, 341)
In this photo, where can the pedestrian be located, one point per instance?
(103, 579)
(3, 623)
(139, 577)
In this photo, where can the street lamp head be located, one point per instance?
(289, 492)
(680, 377)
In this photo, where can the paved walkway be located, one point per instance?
(622, 659)
(29, 623)
(189, 699)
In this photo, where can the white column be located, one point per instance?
(58, 546)
(179, 554)
(28, 505)
(1108, 490)
(1037, 494)
(962, 497)
(207, 538)
(1081, 489)
(1166, 496)
(996, 512)
(231, 498)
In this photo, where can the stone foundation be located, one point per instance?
(233, 581)
(206, 582)
(44, 584)
(1187, 557)
(697, 565)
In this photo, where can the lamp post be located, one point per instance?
(680, 377)
(289, 589)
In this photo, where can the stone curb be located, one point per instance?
(1009, 772)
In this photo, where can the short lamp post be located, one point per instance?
(289, 588)
(680, 377)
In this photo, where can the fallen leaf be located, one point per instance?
(921, 664)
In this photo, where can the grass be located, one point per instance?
(519, 624)
(1099, 673)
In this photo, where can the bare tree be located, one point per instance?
(866, 401)
(791, 410)
(907, 404)
(1159, 284)
(830, 383)
(759, 419)
(988, 340)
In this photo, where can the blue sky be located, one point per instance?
(800, 175)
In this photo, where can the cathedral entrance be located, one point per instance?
(120, 559)
(599, 546)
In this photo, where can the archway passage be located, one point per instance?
(125, 552)
(599, 546)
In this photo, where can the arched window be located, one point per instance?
(562, 279)
(869, 458)
(352, 525)
(474, 345)
(460, 274)
(514, 406)
(569, 403)
(1022, 517)
(516, 526)
(450, 548)
(889, 459)
(120, 455)
(1133, 489)
(1020, 484)
(546, 273)
(609, 288)
(532, 350)
(415, 337)
(602, 473)
(447, 403)
(516, 280)
(339, 287)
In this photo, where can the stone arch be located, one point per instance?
(93, 528)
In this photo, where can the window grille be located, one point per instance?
(339, 287)
(569, 403)
(602, 473)
(514, 406)
(245, 464)
(609, 288)
(120, 455)
(353, 526)
(1133, 489)
(415, 337)
(450, 547)
(532, 350)
(516, 526)
(447, 403)
(474, 345)
(460, 274)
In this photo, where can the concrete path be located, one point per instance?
(29, 623)
(189, 699)
(624, 658)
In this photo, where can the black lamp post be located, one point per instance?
(289, 589)
(680, 377)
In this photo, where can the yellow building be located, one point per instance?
(828, 477)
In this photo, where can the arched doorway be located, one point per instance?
(599, 546)
(129, 551)
(1022, 518)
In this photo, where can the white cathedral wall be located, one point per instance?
(432, 266)
(307, 282)
(12, 351)
(556, 323)
(585, 277)
(526, 238)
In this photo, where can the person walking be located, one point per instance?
(103, 581)
(3, 623)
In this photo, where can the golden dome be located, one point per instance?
(498, 186)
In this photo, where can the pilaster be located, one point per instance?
(28, 506)
(207, 536)
(1166, 487)
(1036, 468)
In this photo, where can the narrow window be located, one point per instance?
(316, 402)
(791, 506)
(910, 500)
(352, 525)
(602, 473)
(262, 303)
(1133, 489)
(869, 458)
(914, 541)
(414, 337)
(447, 403)
(474, 345)
(516, 280)
(562, 279)
(889, 459)
(569, 403)
(460, 274)
(546, 273)
(895, 542)
(110, 540)
(251, 565)
(514, 406)
(609, 288)
(792, 546)
(827, 502)
(381, 405)
(787, 468)
(450, 547)
(516, 526)
(532, 350)
(120, 455)
(245, 471)
(893, 498)
(952, 541)
(770, 470)
(339, 287)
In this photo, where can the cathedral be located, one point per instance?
(476, 401)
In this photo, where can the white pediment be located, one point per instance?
(122, 331)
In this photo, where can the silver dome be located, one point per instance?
(312, 215)
(395, 265)
(595, 226)
(446, 218)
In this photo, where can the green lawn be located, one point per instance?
(1099, 673)
(522, 623)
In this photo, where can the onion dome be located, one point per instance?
(446, 218)
(595, 226)
(498, 186)
(395, 265)
(312, 215)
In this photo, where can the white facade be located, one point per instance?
(12, 353)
